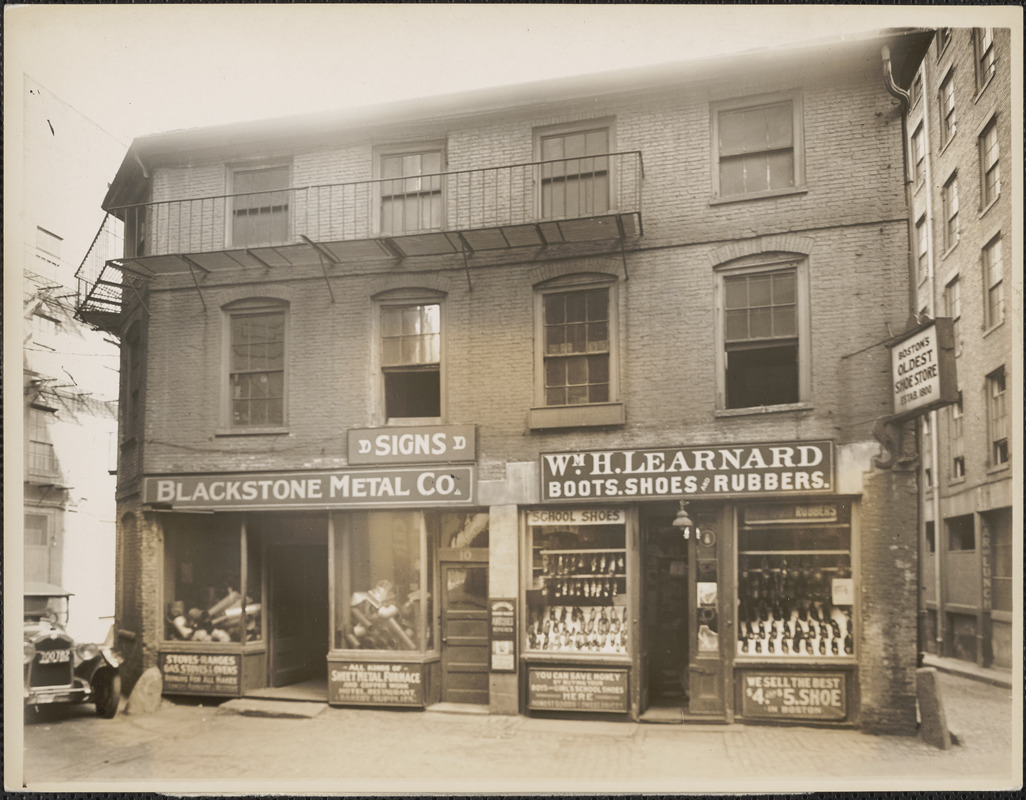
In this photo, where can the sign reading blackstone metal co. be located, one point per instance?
(356, 488)
(748, 470)
(412, 445)
(794, 695)
(923, 369)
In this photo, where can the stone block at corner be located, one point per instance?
(145, 697)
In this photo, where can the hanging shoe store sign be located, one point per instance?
(738, 470)
(923, 369)
(378, 488)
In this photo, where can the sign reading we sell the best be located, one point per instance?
(923, 369)
(794, 695)
(433, 444)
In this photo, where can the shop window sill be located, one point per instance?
(605, 658)
(789, 191)
(589, 416)
(251, 432)
(746, 412)
(413, 657)
(993, 328)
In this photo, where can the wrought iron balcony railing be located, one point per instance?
(537, 203)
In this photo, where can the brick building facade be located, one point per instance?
(416, 391)
(960, 135)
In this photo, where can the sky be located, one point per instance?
(139, 69)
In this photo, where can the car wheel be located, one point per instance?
(107, 693)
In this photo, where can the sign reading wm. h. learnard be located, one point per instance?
(737, 470)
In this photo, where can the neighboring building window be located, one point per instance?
(575, 179)
(961, 533)
(953, 309)
(41, 457)
(762, 339)
(931, 540)
(955, 442)
(922, 248)
(919, 153)
(917, 89)
(949, 200)
(990, 167)
(577, 347)
(757, 148)
(256, 371)
(44, 325)
(943, 39)
(260, 206)
(985, 57)
(993, 274)
(48, 242)
(411, 359)
(411, 190)
(1000, 525)
(998, 417)
(947, 107)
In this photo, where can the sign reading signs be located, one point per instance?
(749, 470)
(923, 369)
(502, 617)
(412, 445)
(794, 695)
(577, 689)
(201, 673)
(336, 489)
(363, 684)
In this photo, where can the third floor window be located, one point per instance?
(411, 191)
(575, 179)
(260, 206)
(757, 148)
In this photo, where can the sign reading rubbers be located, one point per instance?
(746, 470)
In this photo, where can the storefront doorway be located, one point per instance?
(665, 615)
(297, 577)
(464, 607)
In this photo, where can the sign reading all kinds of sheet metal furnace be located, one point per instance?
(923, 369)
(794, 695)
(375, 684)
(746, 470)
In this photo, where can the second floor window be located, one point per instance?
(993, 274)
(997, 417)
(946, 96)
(949, 200)
(577, 347)
(256, 366)
(757, 149)
(411, 191)
(411, 359)
(990, 168)
(761, 338)
(574, 173)
(260, 206)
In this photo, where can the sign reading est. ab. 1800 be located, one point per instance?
(923, 369)
(744, 470)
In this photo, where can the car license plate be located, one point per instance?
(45, 698)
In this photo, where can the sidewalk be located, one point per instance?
(968, 669)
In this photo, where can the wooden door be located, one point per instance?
(464, 632)
(299, 635)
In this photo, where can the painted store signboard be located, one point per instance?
(923, 369)
(577, 689)
(345, 488)
(432, 444)
(794, 695)
(735, 470)
(201, 673)
(375, 684)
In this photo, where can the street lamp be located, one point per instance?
(683, 521)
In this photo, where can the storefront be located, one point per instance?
(739, 604)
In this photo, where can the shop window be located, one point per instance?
(260, 206)
(795, 587)
(961, 533)
(411, 360)
(577, 600)
(210, 596)
(574, 171)
(256, 364)
(997, 417)
(757, 147)
(763, 330)
(999, 524)
(993, 274)
(990, 165)
(385, 582)
(949, 200)
(953, 309)
(983, 42)
(922, 248)
(411, 190)
(946, 97)
(956, 444)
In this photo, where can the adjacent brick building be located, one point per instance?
(417, 390)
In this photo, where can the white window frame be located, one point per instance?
(989, 284)
(607, 124)
(246, 307)
(946, 107)
(797, 142)
(610, 412)
(986, 166)
(983, 44)
(229, 210)
(401, 149)
(800, 264)
(956, 440)
(997, 411)
(399, 298)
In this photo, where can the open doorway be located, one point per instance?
(666, 618)
(298, 620)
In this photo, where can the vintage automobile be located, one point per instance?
(57, 670)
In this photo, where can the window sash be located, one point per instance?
(411, 191)
(953, 306)
(411, 335)
(920, 155)
(574, 174)
(260, 206)
(760, 306)
(990, 164)
(993, 269)
(950, 200)
(998, 414)
(985, 54)
(923, 248)
(577, 350)
(256, 375)
(947, 107)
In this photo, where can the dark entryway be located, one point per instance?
(299, 632)
(665, 617)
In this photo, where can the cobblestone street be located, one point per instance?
(201, 748)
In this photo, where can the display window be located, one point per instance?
(208, 596)
(577, 601)
(795, 585)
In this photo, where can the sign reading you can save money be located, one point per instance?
(354, 488)
(753, 469)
